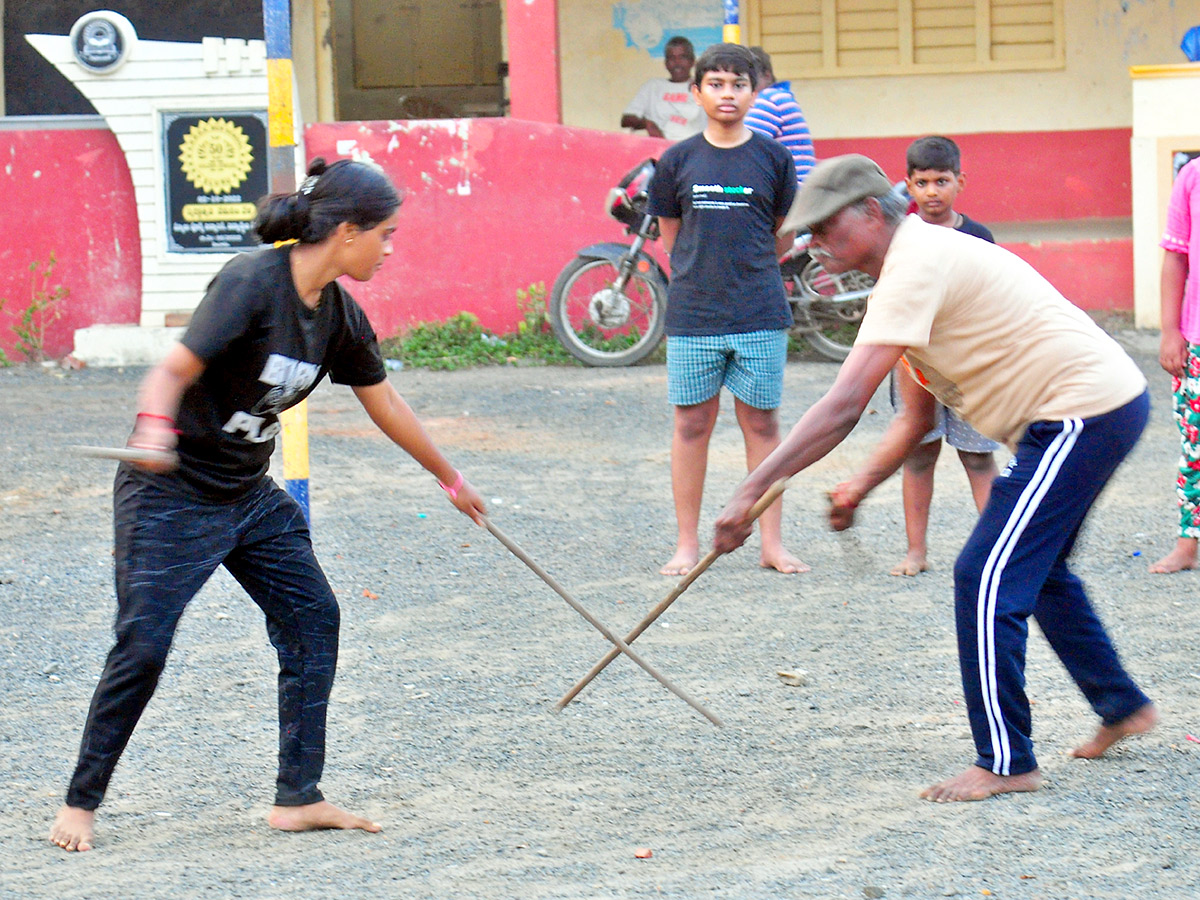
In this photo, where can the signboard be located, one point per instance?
(216, 167)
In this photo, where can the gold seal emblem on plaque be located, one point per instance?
(216, 156)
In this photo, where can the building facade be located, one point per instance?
(1037, 92)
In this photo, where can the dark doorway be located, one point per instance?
(417, 59)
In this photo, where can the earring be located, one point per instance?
(349, 240)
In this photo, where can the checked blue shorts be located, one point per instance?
(749, 364)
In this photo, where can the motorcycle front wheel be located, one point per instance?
(822, 318)
(601, 326)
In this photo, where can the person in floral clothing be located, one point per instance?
(1179, 355)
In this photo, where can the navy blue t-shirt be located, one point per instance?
(724, 274)
(975, 229)
(264, 351)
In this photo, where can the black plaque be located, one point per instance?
(216, 165)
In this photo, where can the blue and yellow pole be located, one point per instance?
(281, 161)
(732, 32)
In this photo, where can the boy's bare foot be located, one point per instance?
(1183, 557)
(782, 561)
(681, 563)
(1136, 723)
(913, 564)
(72, 828)
(978, 784)
(316, 816)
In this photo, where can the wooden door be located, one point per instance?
(417, 58)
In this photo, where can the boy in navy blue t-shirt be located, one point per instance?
(720, 198)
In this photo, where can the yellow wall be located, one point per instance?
(600, 74)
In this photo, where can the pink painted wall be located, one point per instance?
(1027, 177)
(1044, 177)
(1093, 274)
(495, 205)
(492, 206)
(534, 75)
(70, 193)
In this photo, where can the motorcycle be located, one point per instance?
(608, 305)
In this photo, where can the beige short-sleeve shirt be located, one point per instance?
(990, 337)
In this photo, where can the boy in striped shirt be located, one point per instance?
(776, 114)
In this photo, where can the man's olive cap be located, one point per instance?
(834, 184)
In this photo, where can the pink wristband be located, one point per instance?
(453, 489)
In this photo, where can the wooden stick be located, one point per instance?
(772, 494)
(619, 645)
(130, 454)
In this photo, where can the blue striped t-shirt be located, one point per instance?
(776, 114)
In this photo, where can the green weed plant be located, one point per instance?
(460, 342)
(44, 308)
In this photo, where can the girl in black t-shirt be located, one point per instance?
(272, 324)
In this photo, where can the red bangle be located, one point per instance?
(167, 419)
(453, 489)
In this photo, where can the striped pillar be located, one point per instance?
(295, 453)
(732, 32)
(281, 160)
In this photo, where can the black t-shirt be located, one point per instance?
(264, 352)
(975, 229)
(724, 273)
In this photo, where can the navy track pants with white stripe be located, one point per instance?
(1014, 565)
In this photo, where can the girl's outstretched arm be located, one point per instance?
(396, 419)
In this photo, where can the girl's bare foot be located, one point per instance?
(782, 561)
(913, 564)
(1136, 723)
(978, 784)
(72, 828)
(1181, 558)
(681, 563)
(316, 816)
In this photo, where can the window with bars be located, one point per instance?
(812, 38)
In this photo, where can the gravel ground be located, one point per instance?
(442, 725)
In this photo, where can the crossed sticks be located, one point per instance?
(622, 646)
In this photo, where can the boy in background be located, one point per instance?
(720, 198)
(935, 178)
(1179, 355)
(776, 114)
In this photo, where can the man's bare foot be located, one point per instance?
(315, 816)
(1183, 557)
(72, 828)
(782, 561)
(913, 564)
(681, 563)
(978, 784)
(1136, 723)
